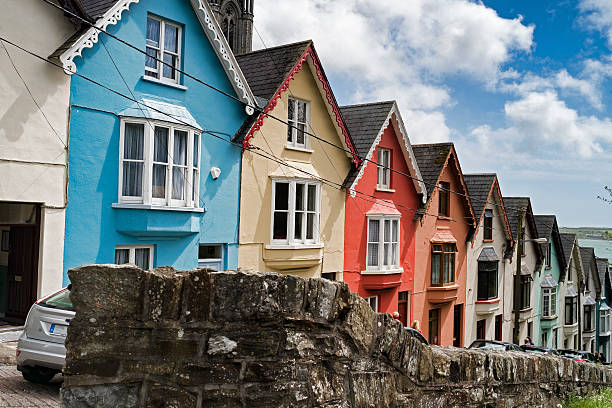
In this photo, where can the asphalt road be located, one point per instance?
(17, 392)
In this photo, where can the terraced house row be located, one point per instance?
(180, 146)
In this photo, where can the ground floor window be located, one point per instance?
(329, 275)
(544, 339)
(141, 256)
(555, 344)
(499, 320)
(481, 326)
(373, 302)
(434, 326)
(211, 256)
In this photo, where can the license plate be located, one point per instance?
(58, 330)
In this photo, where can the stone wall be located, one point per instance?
(235, 339)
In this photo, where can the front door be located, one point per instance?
(457, 326)
(22, 272)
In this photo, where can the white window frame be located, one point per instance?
(160, 52)
(394, 265)
(291, 240)
(293, 144)
(132, 255)
(383, 169)
(547, 302)
(604, 315)
(192, 177)
(373, 302)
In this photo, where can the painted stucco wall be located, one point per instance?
(32, 155)
(485, 310)
(426, 229)
(93, 228)
(546, 324)
(356, 228)
(256, 188)
(528, 263)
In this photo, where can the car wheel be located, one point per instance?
(40, 375)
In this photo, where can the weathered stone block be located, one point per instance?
(197, 372)
(197, 291)
(278, 394)
(221, 396)
(101, 396)
(163, 294)
(269, 371)
(360, 323)
(168, 396)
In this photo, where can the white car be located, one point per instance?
(40, 351)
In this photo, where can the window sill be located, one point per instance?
(385, 190)
(488, 240)
(382, 271)
(589, 331)
(299, 149)
(605, 334)
(155, 207)
(170, 84)
(553, 317)
(547, 267)
(444, 217)
(488, 301)
(294, 246)
(571, 326)
(452, 286)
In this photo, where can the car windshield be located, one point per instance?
(59, 300)
(528, 350)
(492, 346)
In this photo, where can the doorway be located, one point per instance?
(457, 326)
(20, 225)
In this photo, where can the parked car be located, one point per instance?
(494, 345)
(40, 351)
(579, 355)
(528, 348)
(416, 334)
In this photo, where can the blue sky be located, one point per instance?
(522, 87)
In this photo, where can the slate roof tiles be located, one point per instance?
(479, 186)
(568, 240)
(430, 159)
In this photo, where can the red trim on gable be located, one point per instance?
(285, 86)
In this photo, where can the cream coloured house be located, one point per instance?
(33, 155)
(569, 290)
(291, 220)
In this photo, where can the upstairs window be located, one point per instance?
(443, 264)
(604, 321)
(444, 199)
(487, 280)
(549, 302)
(384, 169)
(488, 225)
(548, 254)
(158, 164)
(298, 124)
(383, 243)
(571, 310)
(295, 212)
(163, 43)
(525, 299)
(589, 321)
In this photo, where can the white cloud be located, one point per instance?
(597, 14)
(401, 50)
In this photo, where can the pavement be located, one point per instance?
(17, 392)
(8, 344)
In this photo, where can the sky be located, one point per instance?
(521, 87)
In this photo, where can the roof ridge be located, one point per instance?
(367, 104)
(433, 144)
(479, 174)
(275, 47)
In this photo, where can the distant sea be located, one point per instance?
(603, 249)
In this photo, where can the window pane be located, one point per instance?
(178, 183)
(291, 115)
(151, 58)
(394, 258)
(122, 256)
(194, 185)
(385, 254)
(372, 254)
(312, 197)
(160, 149)
(196, 150)
(310, 226)
(132, 179)
(169, 72)
(159, 181)
(280, 225)
(373, 231)
(299, 219)
(492, 289)
(170, 38)
(300, 134)
(299, 197)
(133, 141)
(153, 32)
(387, 230)
(394, 237)
(180, 147)
(281, 199)
(142, 258)
(302, 112)
(435, 268)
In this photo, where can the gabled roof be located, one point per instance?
(547, 228)
(480, 189)
(512, 205)
(271, 71)
(589, 264)
(104, 13)
(432, 158)
(604, 275)
(366, 124)
(568, 241)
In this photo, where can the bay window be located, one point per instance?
(163, 43)
(487, 280)
(589, 318)
(443, 263)
(604, 321)
(571, 310)
(549, 302)
(295, 212)
(158, 164)
(384, 169)
(298, 123)
(383, 243)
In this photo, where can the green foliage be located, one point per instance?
(600, 400)
(607, 199)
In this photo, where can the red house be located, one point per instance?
(379, 240)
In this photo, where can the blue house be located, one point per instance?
(153, 177)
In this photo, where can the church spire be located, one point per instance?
(236, 20)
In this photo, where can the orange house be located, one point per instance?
(446, 223)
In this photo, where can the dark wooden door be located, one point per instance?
(22, 272)
(457, 326)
